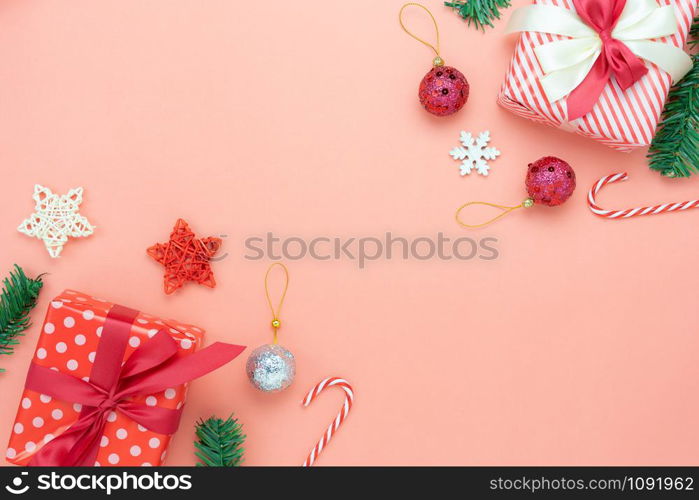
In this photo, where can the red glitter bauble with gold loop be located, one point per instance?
(550, 181)
(443, 91)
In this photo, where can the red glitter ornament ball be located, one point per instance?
(550, 181)
(443, 91)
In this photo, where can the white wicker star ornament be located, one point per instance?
(55, 218)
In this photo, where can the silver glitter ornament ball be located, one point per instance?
(271, 368)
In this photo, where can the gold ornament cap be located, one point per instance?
(528, 203)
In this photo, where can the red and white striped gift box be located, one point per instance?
(623, 120)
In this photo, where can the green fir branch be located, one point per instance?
(479, 12)
(220, 442)
(674, 151)
(18, 298)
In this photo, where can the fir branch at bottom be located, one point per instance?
(18, 298)
(220, 442)
(479, 12)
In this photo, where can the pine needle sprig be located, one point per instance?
(18, 298)
(220, 442)
(479, 12)
(674, 151)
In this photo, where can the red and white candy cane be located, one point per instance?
(631, 212)
(332, 428)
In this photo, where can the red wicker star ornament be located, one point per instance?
(186, 258)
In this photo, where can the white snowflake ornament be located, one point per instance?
(474, 152)
(55, 218)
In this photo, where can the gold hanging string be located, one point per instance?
(527, 203)
(438, 60)
(276, 323)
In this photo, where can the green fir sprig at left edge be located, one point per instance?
(674, 151)
(220, 442)
(19, 296)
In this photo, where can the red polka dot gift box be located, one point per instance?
(107, 385)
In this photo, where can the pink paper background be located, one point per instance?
(577, 346)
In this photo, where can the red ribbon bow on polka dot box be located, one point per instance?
(107, 385)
